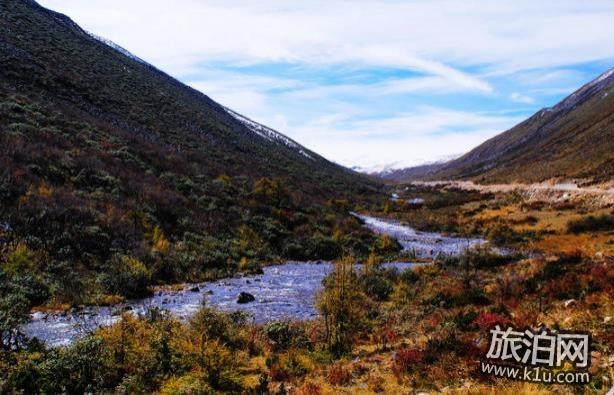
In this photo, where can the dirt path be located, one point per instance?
(601, 196)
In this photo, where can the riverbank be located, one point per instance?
(285, 291)
(420, 329)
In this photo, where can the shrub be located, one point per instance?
(466, 321)
(337, 374)
(20, 260)
(282, 334)
(211, 324)
(409, 277)
(502, 234)
(126, 276)
(478, 258)
(602, 223)
(278, 373)
(555, 269)
(308, 388)
(375, 284)
(189, 384)
(14, 312)
(486, 320)
(406, 360)
(159, 242)
(324, 247)
(385, 244)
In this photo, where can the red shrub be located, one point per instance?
(278, 373)
(487, 320)
(406, 360)
(385, 337)
(309, 389)
(338, 375)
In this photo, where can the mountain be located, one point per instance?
(113, 171)
(51, 59)
(420, 172)
(573, 139)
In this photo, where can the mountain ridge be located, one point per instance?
(571, 139)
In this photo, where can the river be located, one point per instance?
(284, 291)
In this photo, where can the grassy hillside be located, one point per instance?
(114, 176)
(574, 139)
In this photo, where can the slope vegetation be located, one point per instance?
(573, 139)
(115, 176)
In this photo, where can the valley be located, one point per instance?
(153, 240)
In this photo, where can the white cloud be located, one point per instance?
(519, 98)
(394, 86)
(449, 48)
(411, 138)
(245, 94)
(426, 36)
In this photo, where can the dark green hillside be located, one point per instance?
(115, 176)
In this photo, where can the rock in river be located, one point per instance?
(245, 297)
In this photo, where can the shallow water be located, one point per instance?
(421, 244)
(282, 292)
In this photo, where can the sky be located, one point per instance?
(368, 83)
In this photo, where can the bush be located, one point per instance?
(602, 223)
(502, 235)
(466, 321)
(126, 276)
(282, 334)
(211, 324)
(376, 284)
(324, 247)
(406, 360)
(20, 260)
(385, 244)
(555, 269)
(409, 277)
(189, 384)
(478, 258)
(77, 369)
(486, 320)
(338, 375)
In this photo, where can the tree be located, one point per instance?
(14, 312)
(340, 302)
(17, 296)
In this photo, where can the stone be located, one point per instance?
(245, 297)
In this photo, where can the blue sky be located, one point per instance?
(368, 83)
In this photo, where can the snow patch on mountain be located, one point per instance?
(605, 75)
(268, 133)
(116, 47)
(585, 91)
(385, 169)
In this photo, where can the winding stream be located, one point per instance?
(283, 291)
(421, 244)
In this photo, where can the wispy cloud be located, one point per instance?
(392, 80)
(409, 138)
(520, 98)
